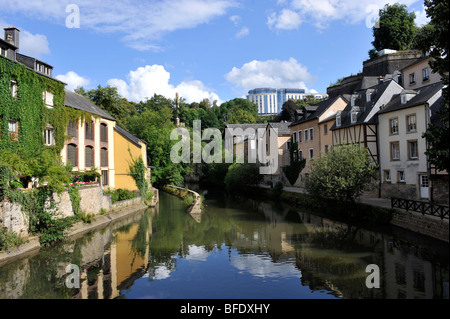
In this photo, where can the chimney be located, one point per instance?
(12, 36)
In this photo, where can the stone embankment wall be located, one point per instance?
(423, 224)
(93, 201)
(196, 207)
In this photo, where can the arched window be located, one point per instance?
(103, 132)
(72, 154)
(104, 157)
(89, 156)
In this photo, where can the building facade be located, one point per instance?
(404, 168)
(270, 100)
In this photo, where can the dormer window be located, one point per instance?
(368, 95)
(338, 119)
(354, 114)
(353, 100)
(425, 74)
(48, 99)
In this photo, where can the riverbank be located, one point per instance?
(119, 210)
(192, 200)
(383, 213)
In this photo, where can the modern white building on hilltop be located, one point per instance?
(270, 100)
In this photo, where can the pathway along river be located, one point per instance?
(251, 250)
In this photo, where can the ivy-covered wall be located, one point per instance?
(29, 110)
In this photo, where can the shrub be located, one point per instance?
(241, 176)
(342, 174)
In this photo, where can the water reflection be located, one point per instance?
(239, 250)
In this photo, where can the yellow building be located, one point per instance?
(91, 144)
(127, 147)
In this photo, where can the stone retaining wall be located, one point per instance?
(431, 226)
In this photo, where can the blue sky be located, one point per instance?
(215, 49)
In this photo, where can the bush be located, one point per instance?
(342, 174)
(277, 189)
(241, 176)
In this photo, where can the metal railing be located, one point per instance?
(426, 208)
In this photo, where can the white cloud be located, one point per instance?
(235, 19)
(73, 80)
(34, 45)
(140, 23)
(421, 18)
(270, 73)
(286, 20)
(321, 13)
(243, 32)
(146, 81)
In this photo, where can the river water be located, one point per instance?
(237, 249)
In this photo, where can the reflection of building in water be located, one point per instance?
(408, 275)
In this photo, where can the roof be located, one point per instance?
(129, 136)
(319, 109)
(365, 107)
(282, 127)
(82, 103)
(422, 96)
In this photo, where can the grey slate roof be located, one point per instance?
(79, 102)
(129, 136)
(422, 97)
(320, 108)
(282, 127)
(364, 106)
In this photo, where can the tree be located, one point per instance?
(296, 164)
(342, 174)
(433, 38)
(288, 111)
(396, 28)
(241, 176)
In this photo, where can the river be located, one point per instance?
(238, 249)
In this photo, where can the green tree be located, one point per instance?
(396, 28)
(433, 38)
(111, 101)
(241, 176)
(296, 164)
(342, 174)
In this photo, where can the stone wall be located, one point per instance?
(93, 200)
(423, 224)
(399, 190)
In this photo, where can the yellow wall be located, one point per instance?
(122, 160)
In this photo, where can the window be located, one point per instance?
(393, 126)
(412, 150)
(338, 120)
(89, 131)
(395, 151)
(13, 130)
(89, 156)
(294, 137)
(72, 154)
(3, 52)
(311, 134)
(311, 153)
(354, 116)
(105, 178)
(48, 136)
(412, 78)
(411, 122)
(326, 149)
(425, 74)
(387, 176)
(299, 136)
(13, 88)
(48, 99)
(104, 157)
(306, 135)
(325, 129)
(72, 128)
(401, 176)
(104, 132)
(300, 154)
